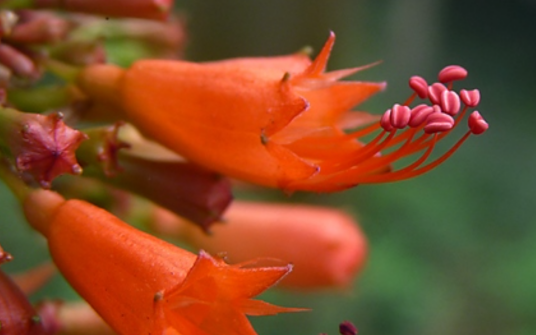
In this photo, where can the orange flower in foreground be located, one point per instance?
(278, 121)
(325, 245)
(142, 285)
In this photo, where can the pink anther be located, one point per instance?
(400, 116)
(450, 102)
(477, 124)
(419, 114)
(438, 122)
(452, 73)
(470, 98)
(385, 121)
(434, 92)
(419, 85)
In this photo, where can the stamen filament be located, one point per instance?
(395, 176)
(364, 153)
(410, 99)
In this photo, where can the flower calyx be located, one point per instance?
(42, 145)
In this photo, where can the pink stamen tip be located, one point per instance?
(434, 92)
(400, 116)
(419, 114)
(470, 98)
(385, 121)
(419, 85)
(438, 122)
(477, 124)
(452, 73)
(450, 102)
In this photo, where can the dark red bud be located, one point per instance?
(19, 63)
(145, 9)
(39, 27)
(43, 146)
(347, 328)
(17, 316)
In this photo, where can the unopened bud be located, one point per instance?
(20, 64)
(325, 245)
(43, 146)
(144, 9)
(197, 194)
(19, 317)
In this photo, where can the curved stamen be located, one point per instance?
(366, 152)
(400, 174)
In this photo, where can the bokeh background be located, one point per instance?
(451, 252)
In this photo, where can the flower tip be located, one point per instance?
(331, 35)
(5, 256)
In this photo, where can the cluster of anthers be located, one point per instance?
(402, 124)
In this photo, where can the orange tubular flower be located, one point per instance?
(276, 121)
(142, 285)
(325, 245)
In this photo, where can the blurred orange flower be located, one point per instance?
(324, 244)
(142, 285)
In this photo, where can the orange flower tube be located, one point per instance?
(142, 285)
(325, 245)
(280, 121)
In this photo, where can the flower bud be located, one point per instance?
(146, 9)
(17, 316)
(325, 245)
(42, 146)
(188, 190)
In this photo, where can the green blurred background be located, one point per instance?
(453, 251)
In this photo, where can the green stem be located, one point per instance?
(13, 181)
(66, 72)
(16, 4)
(39, 99)
(8, 122)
